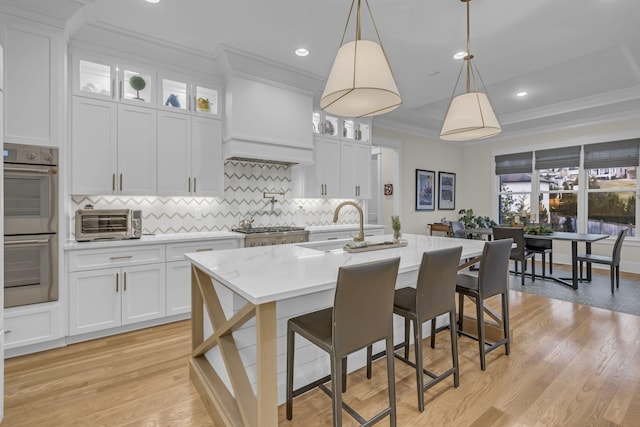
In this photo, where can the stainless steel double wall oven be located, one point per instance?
(30, 224)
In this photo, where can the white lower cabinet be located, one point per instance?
(112, 297)
(179, 271)
(28, 325)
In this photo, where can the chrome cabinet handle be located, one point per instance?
(113, 88)
(120, 182)
(195, 185)
(125, 281)
(195, 103)
(332, 238)
(117, 280)
(188, 103)
(204, 250)
(113, 182)
(121, 86)
(189, 184)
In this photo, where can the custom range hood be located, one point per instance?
(267, 122)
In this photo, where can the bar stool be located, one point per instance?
(362, 314)
(434, 294)
(492, 280)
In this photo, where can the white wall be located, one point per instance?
(423, 153)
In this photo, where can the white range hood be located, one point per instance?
(266, 121)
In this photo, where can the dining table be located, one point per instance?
(574, 238)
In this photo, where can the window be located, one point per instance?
(514, 172)
(558, 186)
(610, 193)
(613, 186)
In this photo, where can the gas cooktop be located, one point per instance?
(258, 230)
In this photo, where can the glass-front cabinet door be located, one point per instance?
(181, 95)
(136, 86)
(93, 78)
(174, 95)
(325, 125)
(205, 100)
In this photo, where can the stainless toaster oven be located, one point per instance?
(108, 224)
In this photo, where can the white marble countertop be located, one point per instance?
(154, 239)
(274, 273)
(71, 245)
(340, 227)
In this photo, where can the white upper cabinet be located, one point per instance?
(180, 94)
(322, 178)
(105, 78)
(34, 84)
(113, 148)
(189, 155)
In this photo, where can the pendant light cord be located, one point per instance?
(469, 56)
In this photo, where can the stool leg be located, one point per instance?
(618, 276)
(433, 333)
(336, 392)
(550, 262)
(417, 345)
(406, 338)
(344, 374)
(369, 357)
(505, 322)
(290, 350)
(454, 347)
(391, 380)
(460, 310)
(480, 318)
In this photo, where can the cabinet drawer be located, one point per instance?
(92, 259)
(31, 326)
(176, 251)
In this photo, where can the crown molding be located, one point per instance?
(17, 9)
(239, 63)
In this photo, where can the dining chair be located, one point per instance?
(519, 254)
(457, 230)
(492, 279)
(362, 314)
(613, 261)
(434, 295)
(543, 247)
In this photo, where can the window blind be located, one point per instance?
(514, 163)
(612, 154)
(564, 157)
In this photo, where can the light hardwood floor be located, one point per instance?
(570, 365)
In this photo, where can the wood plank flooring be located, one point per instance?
(570, 365)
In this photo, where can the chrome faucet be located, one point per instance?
(359, 237)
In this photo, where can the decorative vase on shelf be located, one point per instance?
(395, 225)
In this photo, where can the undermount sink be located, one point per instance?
(348, 245)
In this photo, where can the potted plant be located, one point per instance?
(137, 83)
(395, 225)
(472, 221)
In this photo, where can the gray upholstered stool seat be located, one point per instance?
(362, 314)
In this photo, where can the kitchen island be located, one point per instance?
(238, 362)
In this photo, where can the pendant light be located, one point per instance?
(361, 82)
(469, 115)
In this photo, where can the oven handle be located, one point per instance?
(26, 242)
(29, 170)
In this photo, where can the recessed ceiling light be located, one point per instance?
(302, 52)
(460, 55)
(153, 1)
(523, 93)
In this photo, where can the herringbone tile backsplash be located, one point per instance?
(244, 184)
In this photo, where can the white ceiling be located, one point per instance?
(578, 59)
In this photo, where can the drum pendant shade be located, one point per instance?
(361, 82)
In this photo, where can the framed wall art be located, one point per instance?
(425, 190)
(446, 191)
